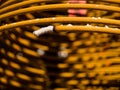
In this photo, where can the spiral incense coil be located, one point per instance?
(59, 45)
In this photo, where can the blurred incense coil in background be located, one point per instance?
(83, 53)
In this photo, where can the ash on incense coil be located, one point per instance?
(83, 53)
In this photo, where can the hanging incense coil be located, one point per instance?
(82, 54)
